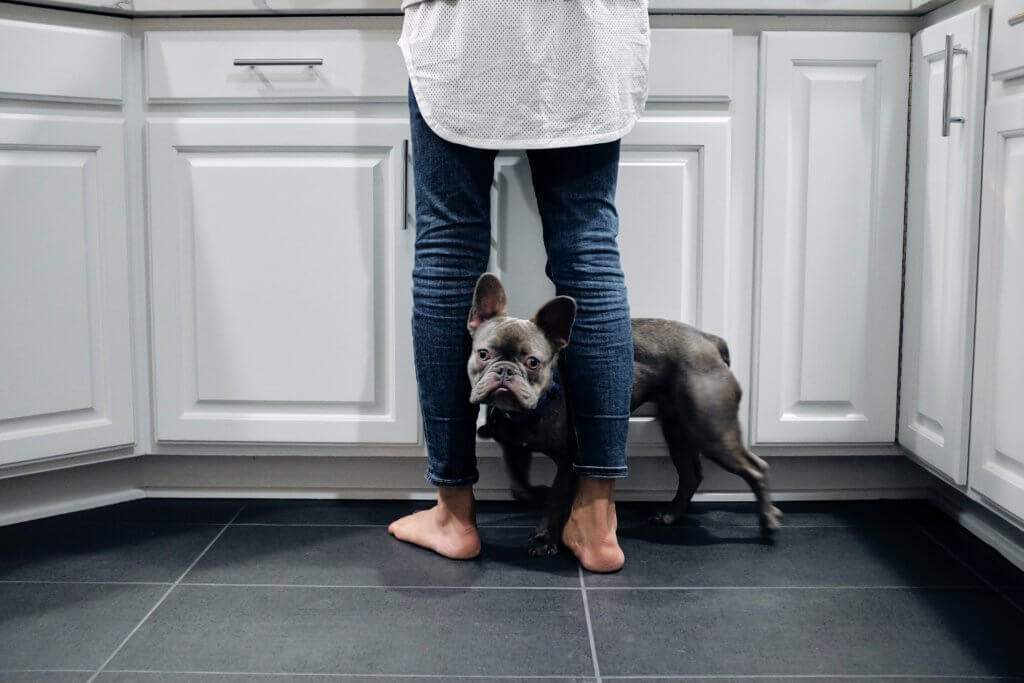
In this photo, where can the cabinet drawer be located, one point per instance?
(1007, 60)
(201, 65)
(45, 62)
(690, 64)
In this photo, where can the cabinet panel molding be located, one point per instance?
(65, 349)
(834, 139)
(281, 281)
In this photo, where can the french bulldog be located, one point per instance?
(513, 369)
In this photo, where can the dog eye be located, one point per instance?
(484, 354)
(532, 363)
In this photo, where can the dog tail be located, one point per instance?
(723, 348)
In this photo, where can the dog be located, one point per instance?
(513, 369)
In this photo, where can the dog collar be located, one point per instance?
(521, 416)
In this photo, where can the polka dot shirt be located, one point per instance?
(527, 74)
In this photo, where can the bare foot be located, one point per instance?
(590, 530)
(448, 528)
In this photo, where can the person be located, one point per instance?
(563, 80)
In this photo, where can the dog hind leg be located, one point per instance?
(730, 454)
(686, 458)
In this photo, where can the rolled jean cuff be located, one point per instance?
(601, 472)
(442, 483)
(601, 445)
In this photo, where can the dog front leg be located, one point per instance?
(548, 534)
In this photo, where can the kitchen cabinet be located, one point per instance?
(831, 232)
(944, 200)
(673, 204)
(65, 335)
(281, 280)
(997, 430)
(673, 199)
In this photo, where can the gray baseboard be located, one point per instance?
(797, 477)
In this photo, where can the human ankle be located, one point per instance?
(594, 490)
(457, 504)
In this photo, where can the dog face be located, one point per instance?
(512, 359)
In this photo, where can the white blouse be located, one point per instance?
(527, 74)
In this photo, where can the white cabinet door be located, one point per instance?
(65, 344)
(281, 266)
(673, 203)
(834, 141)
(997, 422)
(944, 200)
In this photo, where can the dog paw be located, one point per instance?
(541, 546)
(771, 522)
(663, 518)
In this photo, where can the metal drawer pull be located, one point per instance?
(947, 84)
(316, 61)
(1016, 19)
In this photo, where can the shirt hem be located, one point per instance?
(502, 143)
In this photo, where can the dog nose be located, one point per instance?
(504, 373)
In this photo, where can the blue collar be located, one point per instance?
(521, 416)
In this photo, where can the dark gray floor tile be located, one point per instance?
(821, 556)
(923, 632)
(375, 512)
(175, 510)
(140, 677)
(1015, 595)
(44, 676)
(368, 556)
(797, 514)
(977, 554)
(364, 631)
(100, 550)
(68, 626)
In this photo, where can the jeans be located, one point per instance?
(575, 190)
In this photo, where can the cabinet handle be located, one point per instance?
(405, 184)
(947, 85)
(1016, 19)
(314, 61)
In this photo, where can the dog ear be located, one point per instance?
(555, 319)
(488, 301)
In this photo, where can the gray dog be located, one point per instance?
(685, 372)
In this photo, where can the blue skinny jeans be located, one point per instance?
(575, 190)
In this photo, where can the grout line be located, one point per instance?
(215, 584)
(163, 597)
(761, 588)
(100, 583)
(996, 589)
(46, 671)
(787, 677)
(867, 677)
(348, 675)
(376, 587)
(590, 625)
(673, 527)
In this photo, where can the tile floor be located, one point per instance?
(274, 591)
